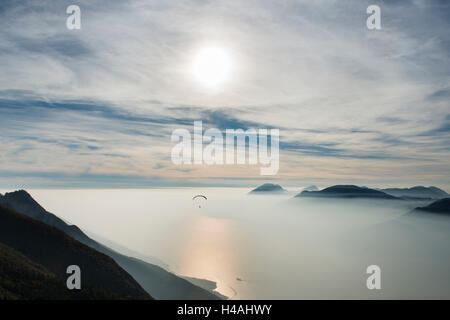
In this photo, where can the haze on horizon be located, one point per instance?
(95, 107)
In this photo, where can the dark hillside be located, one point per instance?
(50, 251)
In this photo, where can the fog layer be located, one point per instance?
(271, 247)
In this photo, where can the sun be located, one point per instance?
(211, 66)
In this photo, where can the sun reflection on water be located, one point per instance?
(209, 252)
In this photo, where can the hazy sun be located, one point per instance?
(211, 66)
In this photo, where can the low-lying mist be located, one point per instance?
(271, 246)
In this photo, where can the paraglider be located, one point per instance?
(199, 199)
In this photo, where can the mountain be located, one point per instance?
(21, 278)
(268, 188)
(160, 283)
(311, 188)
(346, 191)
(440, 206)
(418, 192)
(34, 258)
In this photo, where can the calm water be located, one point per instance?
(265, 247)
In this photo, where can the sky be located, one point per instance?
(96, 107)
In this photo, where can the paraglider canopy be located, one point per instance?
(200, 196)
(199, 199)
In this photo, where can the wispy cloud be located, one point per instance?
(102, 101)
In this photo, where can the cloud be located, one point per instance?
(105, 99)
(440, 95)
(442, 130)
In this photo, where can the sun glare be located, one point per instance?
(211, 66)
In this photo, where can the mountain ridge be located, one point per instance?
(160, 283)
(441, 206)
(346, 191)
(418, 192)
(49, 251)
(268, 188)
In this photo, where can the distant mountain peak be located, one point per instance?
(22, 201)
(18, 192)
(439, 206)
(346, 191)
(269, 188)
(418, 192)
(21, 195)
